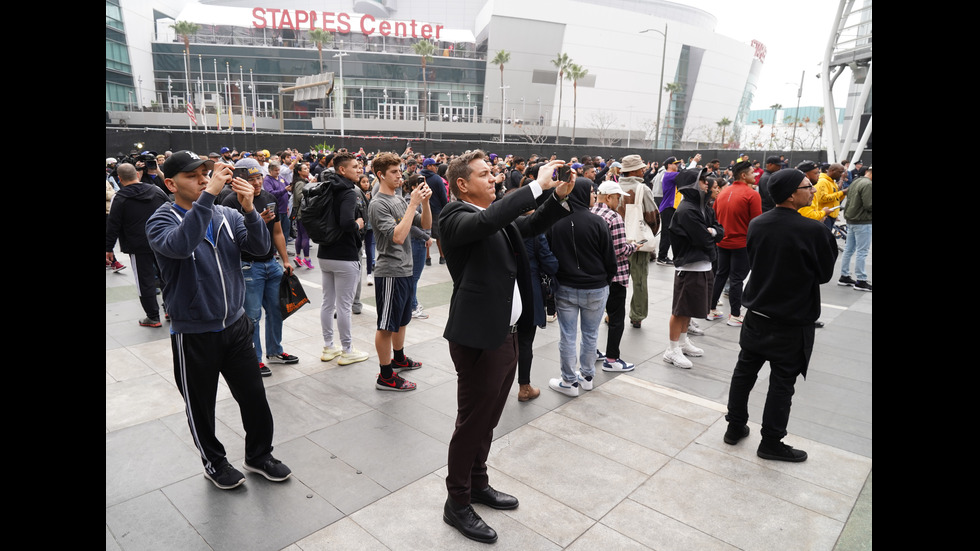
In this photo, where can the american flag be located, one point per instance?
(190, 113)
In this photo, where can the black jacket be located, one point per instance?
(131, 208)
(582, 244)
(485, 255)
(689, 235)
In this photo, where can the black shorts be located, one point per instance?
(394, 298)
(692, 294)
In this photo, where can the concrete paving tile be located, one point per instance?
(420, 505)
(134, 401)
(601, 537)
(664, 399)
(328, 475)
(651, 428)
(856, 535)
(392, 453)
(158, 355)
(723, 508)
(257, 515)
(122, 364)
(150, 522)
(110, 541)
(607, 445)
(655, 530)
(327, 398)
(293, 418)
(566, 472)
(827, 467)
(422, 418)
(343, 534)
(233, 442)
(542, 514)
(143, 458)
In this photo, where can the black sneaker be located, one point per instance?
(407, 364)
(147, 322)
(264, 370)
(735, 433)
(395, 383)
(442, 260)
(281, 358)
(271, 468)
(226, 477)
(780, 452)
(428, 262)
(665, 262)
(846, 281)
(862, 286)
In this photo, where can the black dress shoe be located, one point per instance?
(492, 498)
(818, 324)
(465, 519)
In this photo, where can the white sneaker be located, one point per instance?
(689, 349)
(419, 314)
(352, 357)
(583, 383)
(677, 358)
(559, 385)
(734, 321)
(330, 353)
(599, 356)
(619, 366)
(694, 329)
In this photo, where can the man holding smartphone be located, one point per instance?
(262, 272)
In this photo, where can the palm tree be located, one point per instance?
(575, 73)
(424, 48)
(186, 29)
(772, 134)
(561, 62)
(723, 124)
(320, 38)
(671, 88)
(502, 57)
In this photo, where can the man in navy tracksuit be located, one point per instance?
(198, 248)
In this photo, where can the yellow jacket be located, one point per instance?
(826, 194)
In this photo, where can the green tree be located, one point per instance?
(723, 124)
(575, 73)
(502, 58)
(424, 49)
(320, 38)
(671, 88)
(185, 30)
(561, 62)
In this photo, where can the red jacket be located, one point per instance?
(735, 207)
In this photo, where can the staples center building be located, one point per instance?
(368, 78)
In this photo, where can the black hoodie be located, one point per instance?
(582, 244)
(689, 235)
(131, 208)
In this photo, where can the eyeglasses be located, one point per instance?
(808, 186)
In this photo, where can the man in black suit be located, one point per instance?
(491, 297)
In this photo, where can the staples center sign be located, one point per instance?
(343, 23)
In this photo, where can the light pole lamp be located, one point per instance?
(663, 61)
(340, 90)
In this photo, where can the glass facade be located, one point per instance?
(119, 89)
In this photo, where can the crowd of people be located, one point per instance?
(526, 242)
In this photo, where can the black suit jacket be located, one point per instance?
(485, 254)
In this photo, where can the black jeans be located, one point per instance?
(665, 218)
(616, 309)
(733, 265)
(787, 348)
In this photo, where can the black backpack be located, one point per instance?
(318, 214)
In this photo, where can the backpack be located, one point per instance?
(318, 214)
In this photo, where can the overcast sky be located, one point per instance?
(795, 34)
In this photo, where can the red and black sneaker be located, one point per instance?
(395, 383)
(407, 365)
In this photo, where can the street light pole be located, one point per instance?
(660, 89)
(503, 104)
(340, 91)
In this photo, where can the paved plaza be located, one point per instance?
(637, 463)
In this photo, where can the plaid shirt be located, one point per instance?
(622, 249)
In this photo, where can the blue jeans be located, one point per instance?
(418, 262)
(859, 241)
(262, 291)
(590, 304)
